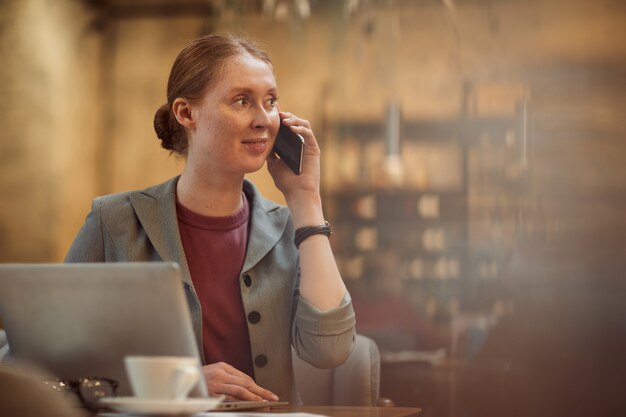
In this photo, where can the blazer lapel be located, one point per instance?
(156, 210)
(268, 222)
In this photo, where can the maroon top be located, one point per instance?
(215, 248)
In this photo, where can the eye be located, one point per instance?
(241, 101)
(271, 102)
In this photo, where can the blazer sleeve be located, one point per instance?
(324, 339)
(88, 246)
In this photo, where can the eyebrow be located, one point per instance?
(246, 90)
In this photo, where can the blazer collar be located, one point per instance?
(156, 210)
(268, 221)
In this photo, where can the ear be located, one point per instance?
(182, 111)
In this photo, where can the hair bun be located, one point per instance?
(162, 126)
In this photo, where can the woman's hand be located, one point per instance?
(320, 281)
(221, 378)
(302, 192)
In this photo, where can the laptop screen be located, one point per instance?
(76, 320)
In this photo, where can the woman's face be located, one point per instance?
(236, 120)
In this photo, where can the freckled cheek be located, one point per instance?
(220, 137)
(228, 131)
(274, 126)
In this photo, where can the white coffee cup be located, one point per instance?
(162, 377)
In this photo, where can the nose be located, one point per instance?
(262, 118)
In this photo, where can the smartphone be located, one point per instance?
(289, 147)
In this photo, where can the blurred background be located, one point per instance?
(473, 170)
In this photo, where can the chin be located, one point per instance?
(252, 168)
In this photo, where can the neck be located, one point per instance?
(214, 197)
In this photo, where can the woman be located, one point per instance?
(252, 293)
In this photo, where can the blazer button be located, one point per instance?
(254, 317)
(247, 279)
(260, 361)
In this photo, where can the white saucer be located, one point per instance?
(134, 405)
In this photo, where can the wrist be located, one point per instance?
(306, 211)
(306, 232)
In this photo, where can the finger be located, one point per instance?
(222, 378)
(260, 391)
(219, 374)
(289, 119)
(228, 397)
(233, 388)
(248, 384)
(231, 371)
(239, 393)
(249, 392)
(217, 370)
(237, 377)
(309, 138)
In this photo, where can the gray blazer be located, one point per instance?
(142, 226)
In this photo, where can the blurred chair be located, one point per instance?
(24, 394)
(4, 345)
(356, 382)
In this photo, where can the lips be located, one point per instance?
(256, 145)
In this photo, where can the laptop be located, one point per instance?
(75, 320)
(78, 320)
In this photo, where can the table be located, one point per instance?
(324, 410)
(348, 411)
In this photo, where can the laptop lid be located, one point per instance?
(77, 320)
